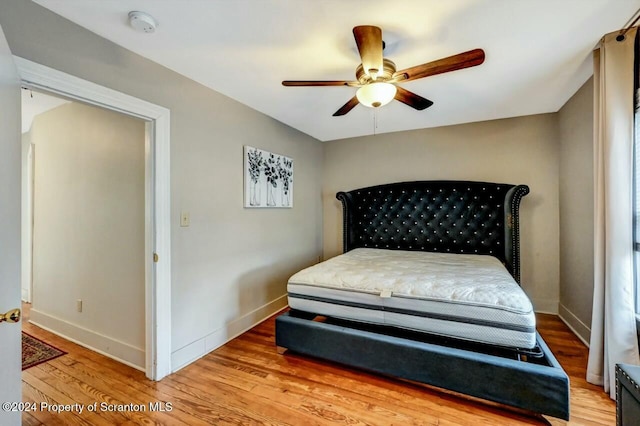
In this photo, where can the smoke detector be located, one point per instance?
(141, 21)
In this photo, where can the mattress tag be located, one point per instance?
(385, 293)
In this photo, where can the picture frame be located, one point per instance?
(268, 179)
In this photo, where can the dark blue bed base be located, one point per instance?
(441, 216)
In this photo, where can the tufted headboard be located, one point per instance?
(441, 216)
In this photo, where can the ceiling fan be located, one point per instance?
(377, 78)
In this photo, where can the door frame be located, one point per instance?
(157, 197)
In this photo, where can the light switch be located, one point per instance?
(79, 305)
(184, 219)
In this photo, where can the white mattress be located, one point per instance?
(470, 297)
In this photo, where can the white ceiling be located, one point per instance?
(538, 53)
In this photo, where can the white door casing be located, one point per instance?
(10, 206)
(157, 197)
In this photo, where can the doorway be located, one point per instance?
(87, 211)
(157, 253)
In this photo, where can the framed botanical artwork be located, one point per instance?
(268, 179)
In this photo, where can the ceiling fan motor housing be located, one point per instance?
(388, 69)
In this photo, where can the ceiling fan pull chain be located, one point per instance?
(375, 121)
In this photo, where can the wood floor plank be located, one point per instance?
(35, 396)
(233, 396)
(358, 394)
(29, 420)
(329, 391)
(228, 404)
(370, 386)
(76, 391)
(183, 413)
(247, 382)
(113, 393)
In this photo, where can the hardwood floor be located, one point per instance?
(247, 382)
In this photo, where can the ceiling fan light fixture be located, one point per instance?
(375, 95)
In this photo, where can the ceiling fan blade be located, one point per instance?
(369, 41)
(300, 83)
(411, 99)
(452, 63)
(346, 107)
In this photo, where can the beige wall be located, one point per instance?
(25, 231)
(230, 267)
(88, 239)
(518, 150)
(576, 210)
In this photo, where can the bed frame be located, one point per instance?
(438, 216)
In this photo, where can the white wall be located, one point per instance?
(520, 150)
(576, 210)
(88, 234)
(230, 267)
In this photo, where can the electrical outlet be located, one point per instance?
(79, 305)
(184, 219)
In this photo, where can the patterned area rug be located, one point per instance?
(35, 351)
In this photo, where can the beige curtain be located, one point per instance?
(613, 327)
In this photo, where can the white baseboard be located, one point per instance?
(195, 350)
(545, 306)
(579, 328)
(107, 346)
